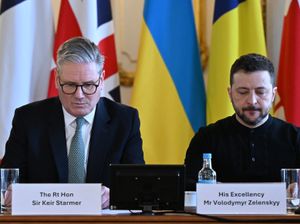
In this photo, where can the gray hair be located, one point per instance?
(79, 50)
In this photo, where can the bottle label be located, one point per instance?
(207, 181)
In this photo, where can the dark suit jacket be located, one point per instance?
(37, 143)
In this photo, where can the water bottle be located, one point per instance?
(207, 175)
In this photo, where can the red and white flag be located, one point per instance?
(91, 19)
(288, 79)
(26, 43)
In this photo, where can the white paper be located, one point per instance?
(56, 199)
(237, 198)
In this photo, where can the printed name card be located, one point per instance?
(237, 198)
(56, 199)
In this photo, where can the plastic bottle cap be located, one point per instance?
(206, 155)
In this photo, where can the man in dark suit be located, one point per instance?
(41, 139)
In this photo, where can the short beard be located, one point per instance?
(242, 116)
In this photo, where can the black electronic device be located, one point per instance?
(297, 211)
(147, 187)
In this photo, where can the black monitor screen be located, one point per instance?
(147, 187)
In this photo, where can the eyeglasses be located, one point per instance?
(86, 88)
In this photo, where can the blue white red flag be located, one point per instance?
(26, 43)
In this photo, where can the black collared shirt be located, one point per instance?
(242, 154)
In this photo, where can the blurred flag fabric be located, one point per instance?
(26, 43)
(168, 89)
(91, 19)
(237, 30)
(288, 79)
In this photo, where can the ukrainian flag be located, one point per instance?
(168, 89)
(237, 30)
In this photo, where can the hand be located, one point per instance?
(7, 196)
(105, 196)
(292, 190)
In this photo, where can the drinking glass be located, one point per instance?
(9, 176)
(291, 177)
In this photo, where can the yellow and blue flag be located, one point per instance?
(168, 90)
(237, 30)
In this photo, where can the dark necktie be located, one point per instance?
(76, 155)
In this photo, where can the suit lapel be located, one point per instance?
(98, 143)
(57, 135)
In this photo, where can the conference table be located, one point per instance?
(162, 218)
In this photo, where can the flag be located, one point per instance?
(288, 79)
(91, 19)
(237, 30)
(26, 42)
(168, 90)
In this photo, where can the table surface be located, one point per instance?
(166, 218)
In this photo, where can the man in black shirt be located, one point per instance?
(251, 145)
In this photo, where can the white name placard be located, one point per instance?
(241, 198)
(56, 199)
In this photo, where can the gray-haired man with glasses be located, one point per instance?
(74, 137)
